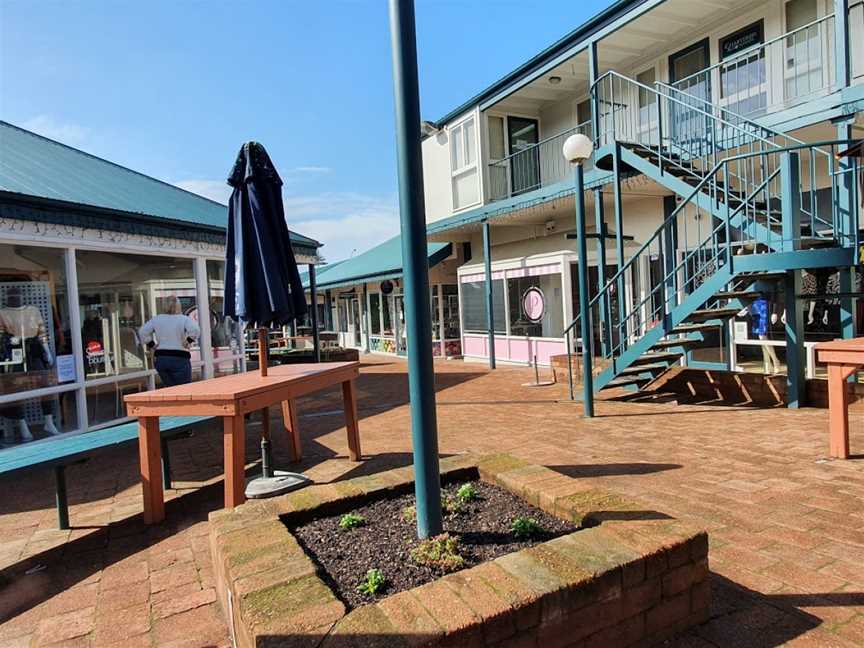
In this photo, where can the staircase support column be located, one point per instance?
(795, 360)
(601, 267)
(790, 201)
(619, 246)
(490, 310)
(585, 319)
(844, 211)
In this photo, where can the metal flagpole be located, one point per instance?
(415, 263)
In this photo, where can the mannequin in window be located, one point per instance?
(170, 335)
(23, 327)
(759, 311)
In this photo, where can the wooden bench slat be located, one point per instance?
(49, 451)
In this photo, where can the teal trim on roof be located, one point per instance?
(593, 178)
(381, 262)
(32, 166)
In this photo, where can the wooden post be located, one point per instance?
(289, 419)
(149, 451)
(838, 414)
(234, 447)
(350, 403)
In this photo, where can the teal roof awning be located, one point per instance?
(383, 261)
(33, 166)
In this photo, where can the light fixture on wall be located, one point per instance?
(554, 79)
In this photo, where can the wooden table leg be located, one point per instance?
(234, 444)
(349, 400)
(838, 411)
(150, 456)
(289, 418)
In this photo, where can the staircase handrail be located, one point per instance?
(685, 104)
(750, 50)
(686, 202)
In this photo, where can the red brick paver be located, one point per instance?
(787, 529)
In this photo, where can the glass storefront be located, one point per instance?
(117, 294)
(66, 367)
(35, 344)
(225, 332)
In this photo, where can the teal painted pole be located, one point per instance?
(367, 317)
(842, 59)
(490, 309)
(316, 334)
(619, 248)
(584, 320)
(415, 264)
(795, 361)
(600, 224)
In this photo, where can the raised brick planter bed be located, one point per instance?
(630, 577)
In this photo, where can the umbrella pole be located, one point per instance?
(263, 352)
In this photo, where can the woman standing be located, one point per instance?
(171, 334)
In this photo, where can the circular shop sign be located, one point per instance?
(533, 304)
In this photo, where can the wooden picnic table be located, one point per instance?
(231, 397)
(844, 358)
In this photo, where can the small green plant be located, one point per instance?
(409, 514)
(525, 527)
(351, 521)
(467, 493)
(451, 505)
(373, 582)
(441, 552)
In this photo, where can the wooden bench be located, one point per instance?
(57, 453)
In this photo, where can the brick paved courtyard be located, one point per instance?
(787, 530)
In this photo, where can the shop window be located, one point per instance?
(31, 419)
(536, 306)
(463, 164)
(225, 332)
(451, 311)
(35, 341)
(474, 306)
(387, 313)
(105, 398)
(117, 294)
(375, 313)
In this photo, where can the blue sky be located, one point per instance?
(172, 88)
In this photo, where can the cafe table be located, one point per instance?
(844, 358)
(231, 398)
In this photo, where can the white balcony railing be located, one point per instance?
(533, 167)
(781, 73)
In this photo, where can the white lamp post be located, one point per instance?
(578, 148)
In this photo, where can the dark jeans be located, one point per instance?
(173, 370)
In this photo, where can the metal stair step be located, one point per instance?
(705, 314)
(675, 342)
(693, 328)
(626, 381)
(652, 357)
(744, 295)
(638, 369)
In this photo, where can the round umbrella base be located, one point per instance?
(281, 482)
(542, 383)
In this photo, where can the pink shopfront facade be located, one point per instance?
(523, 333)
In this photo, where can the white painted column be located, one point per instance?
(75, 333)
(205, 342)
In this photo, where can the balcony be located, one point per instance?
(532, 167)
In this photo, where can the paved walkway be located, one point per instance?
(787, 530)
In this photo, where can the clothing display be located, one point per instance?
(759, 311)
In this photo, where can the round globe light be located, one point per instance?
(578, 148)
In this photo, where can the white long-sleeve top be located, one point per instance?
(170, 332)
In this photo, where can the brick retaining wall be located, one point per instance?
(630, 577)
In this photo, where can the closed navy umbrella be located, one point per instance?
(262, 283)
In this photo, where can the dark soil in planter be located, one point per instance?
(482, 527)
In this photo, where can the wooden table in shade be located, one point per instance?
(844, 358)
(230, 398)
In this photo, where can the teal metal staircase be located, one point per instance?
(752, 204)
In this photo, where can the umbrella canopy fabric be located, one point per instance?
(262, 283)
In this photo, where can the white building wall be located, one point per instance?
(437, 189)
